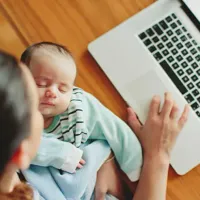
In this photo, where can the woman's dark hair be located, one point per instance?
(14, 108)
(49, 46)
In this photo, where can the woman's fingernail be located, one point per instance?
(156, 98)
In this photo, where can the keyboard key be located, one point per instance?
(198, 84)
(194, 78)
(165, 52)
(198, 72)
(170, 59)
(157, 56)
(185, 79)
(163, 25)
(179, 22)
(179, 46)
(178, 32)
(169, 33)
(195, 106)
(174, 51)
(198, 99)
(189, 59)
(189, 98)
(142, 36)
(198, 113)
(194, 42)
(175, 65)
(174, 39)
(168, 19)
(173, 77)
(198, 58)
(194, 65)
(169, 45)
(190, 85)
(152, 49)
(189, 71)
(184, 52)
(180, 72)
(189, 35)
(179, 58)
(193, 51)
(184, 29)
(174, 16)
(164, 38)
(188, 44)
(160, 46)
(155, 39)
(184, 64)
(195, 92)
(147, 42)
(150, 32)
(198, 49)
(183, 38)
(157, 29)
(173, 25)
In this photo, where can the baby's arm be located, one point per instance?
(58, 154)
(103, 124)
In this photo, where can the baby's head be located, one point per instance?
(54, 71)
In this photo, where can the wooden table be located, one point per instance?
(75, 23)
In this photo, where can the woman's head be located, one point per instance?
(20, 120)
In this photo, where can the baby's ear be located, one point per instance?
(21, 156)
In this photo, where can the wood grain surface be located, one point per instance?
(75, 23)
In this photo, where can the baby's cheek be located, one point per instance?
(41, 92)
(65, 100)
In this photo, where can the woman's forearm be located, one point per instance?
(153, 180)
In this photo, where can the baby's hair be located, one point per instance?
(50, 47)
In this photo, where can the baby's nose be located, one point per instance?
(50, 94)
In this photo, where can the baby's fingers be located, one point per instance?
(82, 162)
(79, 166)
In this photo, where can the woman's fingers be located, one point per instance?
(133, 121)
(154, 107)
(174, 111)
(168, 105)
(184, 116)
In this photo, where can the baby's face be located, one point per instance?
(54, 77)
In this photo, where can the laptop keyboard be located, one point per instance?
(178, 54)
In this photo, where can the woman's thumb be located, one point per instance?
(133, 121)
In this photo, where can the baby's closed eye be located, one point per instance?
(63, 88)
(41, 83)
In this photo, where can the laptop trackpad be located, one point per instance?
(142, 90)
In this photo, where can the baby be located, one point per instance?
(72, 117)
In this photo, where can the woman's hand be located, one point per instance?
(161, 129)
(157, 137)
(109, 181)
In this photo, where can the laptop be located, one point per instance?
(155, 51)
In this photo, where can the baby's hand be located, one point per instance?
(81, 163)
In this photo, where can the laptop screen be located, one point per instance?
(194, 6)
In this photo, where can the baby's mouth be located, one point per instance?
(47, 103)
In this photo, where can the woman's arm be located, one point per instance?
(153, 180)
(157, 138)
